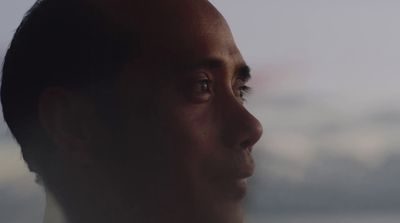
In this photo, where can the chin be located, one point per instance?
(220, 201)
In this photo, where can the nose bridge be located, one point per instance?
(241, 129)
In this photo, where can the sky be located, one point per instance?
(325, 63)
(325, 79)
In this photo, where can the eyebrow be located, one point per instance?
(242, 71)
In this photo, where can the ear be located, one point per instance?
(66, 116)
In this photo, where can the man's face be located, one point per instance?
(186, 133)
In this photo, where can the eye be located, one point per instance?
(201, 87)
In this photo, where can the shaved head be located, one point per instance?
(137, 114)
(161, 24)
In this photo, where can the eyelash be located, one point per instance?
(244, 91)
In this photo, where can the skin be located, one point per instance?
(176, 145)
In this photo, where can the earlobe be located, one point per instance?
(63, 115)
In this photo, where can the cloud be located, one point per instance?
(331, 183)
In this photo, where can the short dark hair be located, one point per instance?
(59, 43)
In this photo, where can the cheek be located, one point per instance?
(194, 130)
(192, 133)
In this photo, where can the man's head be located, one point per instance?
(131, 110)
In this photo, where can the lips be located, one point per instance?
(233, 184)
(229, 173)
(240, 167)
(232, 189)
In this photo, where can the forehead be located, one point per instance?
(195, 42)
(175, 30)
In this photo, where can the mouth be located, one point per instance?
(231, 182)
(233, 189)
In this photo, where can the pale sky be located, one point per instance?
(338, 48)
(321, 64)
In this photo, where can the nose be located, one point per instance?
(242, 130)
